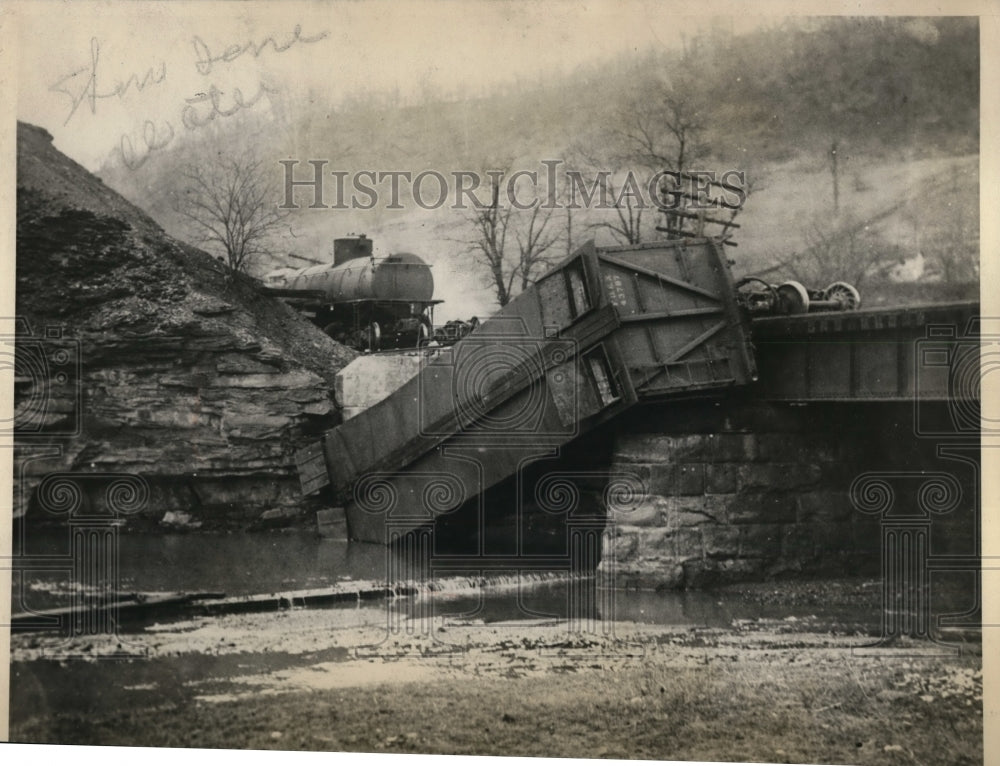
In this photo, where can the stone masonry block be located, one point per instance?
(648, 448)
(622, 542)
(722, 478)
(688, 542)
(779, 447)
(696, 510)
(641, 470)
(691, 479)
(658, 543)
(721, 541)
(651, 512)
(776, 476)
(678, 479)
(760, 540)
(733, 447)
(762, 508)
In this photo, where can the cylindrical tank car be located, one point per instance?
(365, 302)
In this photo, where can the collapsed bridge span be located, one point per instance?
(661, 325)
(607, 328)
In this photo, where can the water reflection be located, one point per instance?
(245, 564)
(234, 564)
(588, 604)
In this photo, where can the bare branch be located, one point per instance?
(232, 203)
(511, 244)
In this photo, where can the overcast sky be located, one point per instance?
(70, 52)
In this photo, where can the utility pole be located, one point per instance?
(836, 180)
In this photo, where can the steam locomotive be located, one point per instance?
(366, 303)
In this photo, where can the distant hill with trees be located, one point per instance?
(822, 100)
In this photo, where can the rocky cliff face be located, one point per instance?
(139, 354)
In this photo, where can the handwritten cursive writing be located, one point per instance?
(81, 85)
(154, 137)
(194, 116)
(200, 110)
(197, 111)
(206, 60)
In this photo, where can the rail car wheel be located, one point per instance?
(424, 333)
(847, 295)
(757, 296)
(793, 298)
(373, 337)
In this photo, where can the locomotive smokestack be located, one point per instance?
(349, 248)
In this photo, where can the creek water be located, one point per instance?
(195, 659)
(242, 564)
(234, 564)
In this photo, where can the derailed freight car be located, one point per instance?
(365, 302)
(605, 329)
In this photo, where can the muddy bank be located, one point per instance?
(763, 692)
(384, 678)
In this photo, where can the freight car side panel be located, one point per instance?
(681, 329)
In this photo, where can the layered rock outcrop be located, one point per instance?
(137, 353)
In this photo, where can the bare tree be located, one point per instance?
(665, 128)
(628, 209)
(666, 133)
(849, 250)
(231, 201)
(599, 170)
(661, 135)
(499, 229)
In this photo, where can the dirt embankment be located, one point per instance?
(139, 354)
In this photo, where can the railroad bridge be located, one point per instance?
(626, 415)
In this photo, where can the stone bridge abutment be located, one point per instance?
(740, 490)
